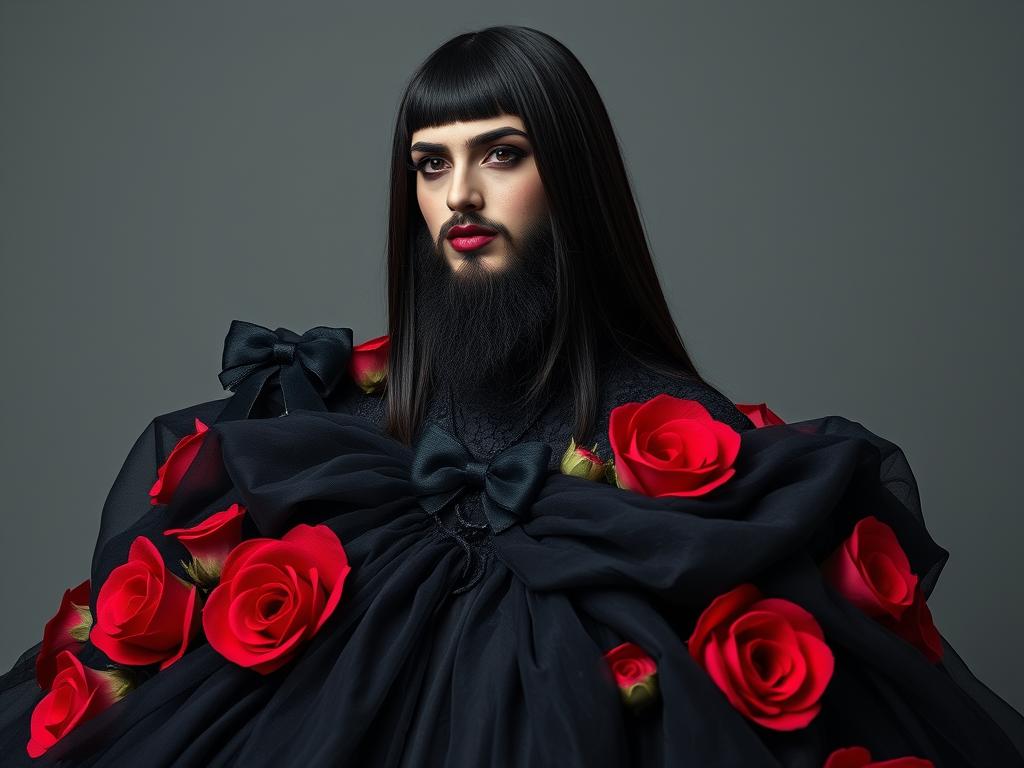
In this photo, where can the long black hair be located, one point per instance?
(609, 297)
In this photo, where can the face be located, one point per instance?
(482, 312)
(482, 173)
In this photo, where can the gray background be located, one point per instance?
(833, 193)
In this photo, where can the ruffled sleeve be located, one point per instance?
(128, 499)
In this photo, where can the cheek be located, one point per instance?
(434, 209)
(535, 198)
(526, 201)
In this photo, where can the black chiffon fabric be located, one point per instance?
(409, 672)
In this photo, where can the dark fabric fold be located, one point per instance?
(511, 672)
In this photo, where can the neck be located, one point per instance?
(506, 392)
(503, 390)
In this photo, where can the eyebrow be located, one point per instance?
(471, 143)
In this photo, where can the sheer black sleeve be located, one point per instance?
(128, 499)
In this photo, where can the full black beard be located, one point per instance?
(484, 331)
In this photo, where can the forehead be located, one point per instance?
(456, 133)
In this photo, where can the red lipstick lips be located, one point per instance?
(469, 237)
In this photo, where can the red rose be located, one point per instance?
(859, 757)
(144, 613)
(768, 655)
(67, 630)
(669, 446)
(78, 694)
(871, 570)
(274, 595)
(210, 541)
(760, 414)
(173, 469)
(917, 628)
(368, 365)
(635, 673)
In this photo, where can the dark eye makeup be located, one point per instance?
(516, 153)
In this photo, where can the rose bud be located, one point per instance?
(368, 365)
(635, 673)
(859, 757)
(67, 630)
(578, 461)
(670, 446)
(768, 655)
(871, 570)
(144, 613)
(209, 543)
(177, 462)
(78, 694)
(760, 414)
(274, 595)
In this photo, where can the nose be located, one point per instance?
(464, 194)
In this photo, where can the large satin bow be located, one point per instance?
(310, 366)
(442, 468)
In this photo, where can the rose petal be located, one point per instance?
(190, 627)
(720, 611)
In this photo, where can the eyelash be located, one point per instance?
(517, 155)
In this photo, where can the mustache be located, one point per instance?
(462, 219)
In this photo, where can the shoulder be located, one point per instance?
(328, 369)
(157, 438)
(173, 425)
(150, 449)
(625, 380)
(352, 399)
(182, 420)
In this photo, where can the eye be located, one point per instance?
(422, 164)
(514, 156)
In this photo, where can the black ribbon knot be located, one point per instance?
(309, 366)
(442, 468)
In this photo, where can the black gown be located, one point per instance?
(455, 645)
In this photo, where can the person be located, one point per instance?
(519, 529)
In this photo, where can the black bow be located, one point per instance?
(309, 366)
(442, 468)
